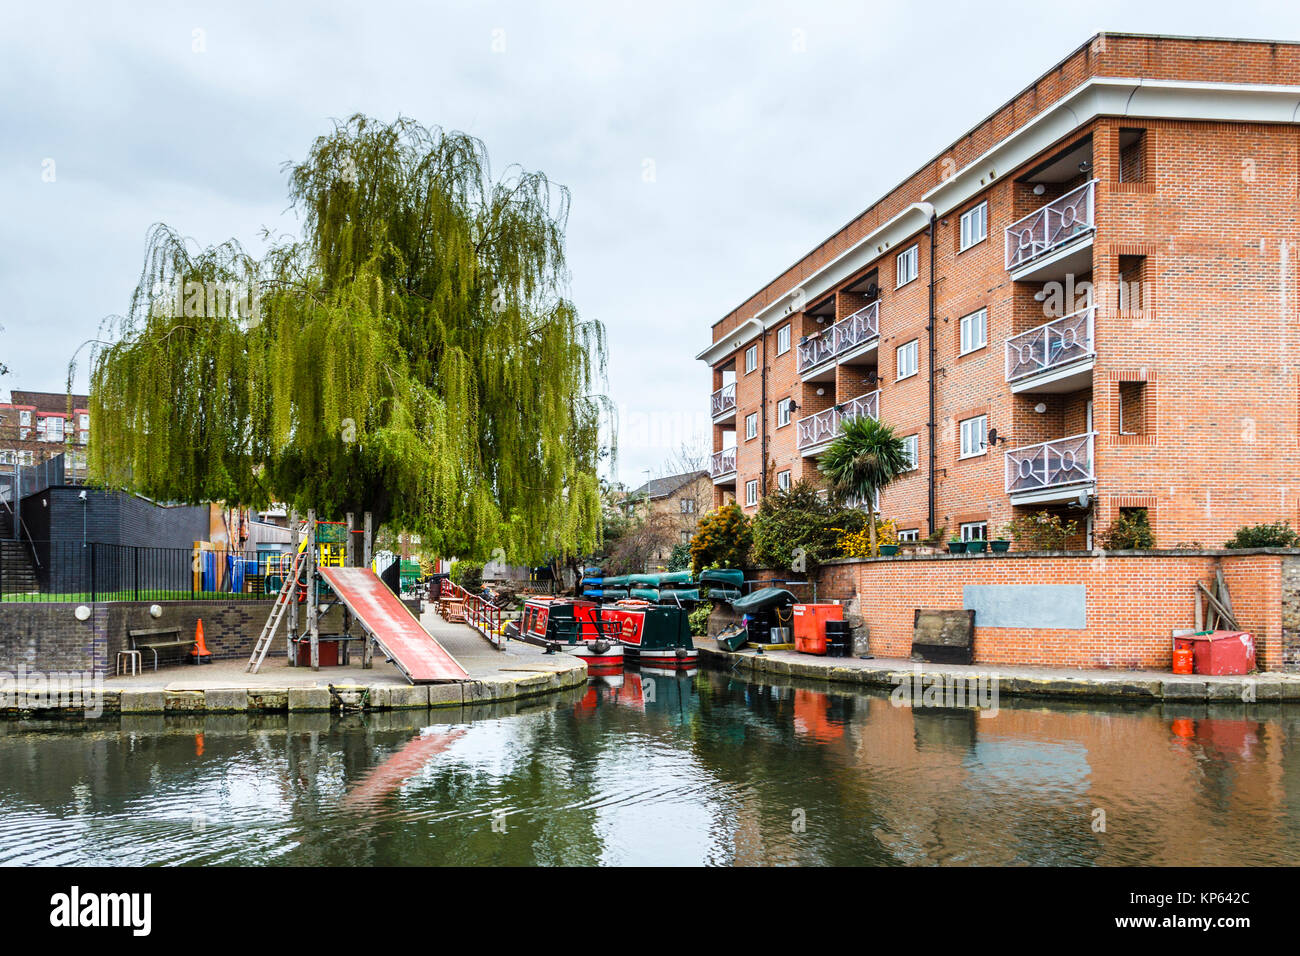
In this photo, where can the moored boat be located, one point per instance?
(571, 625)
(655, 635)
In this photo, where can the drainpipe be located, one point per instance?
(928, 210)
(762, 420)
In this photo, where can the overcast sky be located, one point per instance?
(707, 146)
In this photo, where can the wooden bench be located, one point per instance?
(156, 639)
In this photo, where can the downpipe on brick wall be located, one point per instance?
(928, 210)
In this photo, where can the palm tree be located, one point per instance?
(863, 460)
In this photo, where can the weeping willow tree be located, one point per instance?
(412, 354)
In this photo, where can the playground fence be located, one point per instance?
(54, 571)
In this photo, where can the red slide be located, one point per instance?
(417, 655)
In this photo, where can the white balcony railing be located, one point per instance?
(1050, 345)
(1050, 464)
(823, 426)
(723, 462)
(848, 333)
(723, 400)
(1054, 225)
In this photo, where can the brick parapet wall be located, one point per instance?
(1134, 600)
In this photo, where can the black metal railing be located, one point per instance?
(51, 571)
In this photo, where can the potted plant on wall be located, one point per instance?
(1001, 545)
(956, 545)
(976, 546)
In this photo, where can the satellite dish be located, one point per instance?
(873, 290)
(1083, 500)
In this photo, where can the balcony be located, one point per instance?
(1055, 357)
(1051, 471)
(722, 404)
(815, 432)
(848, 339)
(722, 466)
(1054, 241)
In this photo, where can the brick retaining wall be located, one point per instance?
(1133, 601)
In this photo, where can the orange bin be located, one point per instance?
(810, 626)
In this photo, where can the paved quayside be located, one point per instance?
(517, 671)
(1013, 681)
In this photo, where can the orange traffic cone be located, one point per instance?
(200, 652)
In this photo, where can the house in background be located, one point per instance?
(677, 500)
(36, 426)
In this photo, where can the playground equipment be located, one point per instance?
(384, 620)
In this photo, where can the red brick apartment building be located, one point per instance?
(1084, 304)
(35, 426)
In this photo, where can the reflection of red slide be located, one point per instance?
(420, 658)
(400, 767)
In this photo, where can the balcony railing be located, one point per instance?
(1050, 464)
(1054, 225)
(723, 462)
(723, 400)
(823, 426)
(848, 333)
(1050, 345)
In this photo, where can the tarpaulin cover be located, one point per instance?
(763, 599)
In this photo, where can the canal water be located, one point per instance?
(706, 768)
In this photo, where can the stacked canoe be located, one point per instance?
(668, 587)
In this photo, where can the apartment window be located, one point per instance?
(1132, 408)
(25, 418)
(907, 358)
(84, 422)
(783, 411)
(974, 531)
(26, 458)
(974, 436)
(783, 480)
(974, 331)
(7, 456)
(909, 534)
(751, 492)
(783, 340)
(54, 429)
(686, 537)
(907, 265)
(1132, 155)
(910, 447)
(751, 359)
(975, 225)
(688, 506)
(751, 426)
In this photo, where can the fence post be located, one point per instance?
(135, 574)
(92, 574)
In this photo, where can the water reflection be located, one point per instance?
(663, 768)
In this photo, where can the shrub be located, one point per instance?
(680, 559)
(1041, 531)
(699, 620)
(1277, 535)
(800, 522)
(857, 544)
(468, 574)
(1130, 531)
(722, 539)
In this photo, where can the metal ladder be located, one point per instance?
(288, 593)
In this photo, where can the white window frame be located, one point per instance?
(688, 506)
(751, 359)
(751, 492)
(912, 447)
(968, 342)
(53, 428)
(751, 426)
(969, 531)
(8, 456)
(967, 432)
(907, 265)
(974, 220)
(783, 480)
(909, 534)
(783, 413)
(913, 349)
(783, 339)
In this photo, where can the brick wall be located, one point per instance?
(48, 637)
(1133, 601)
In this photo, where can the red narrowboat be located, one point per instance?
(571, 625)
(655, 635)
